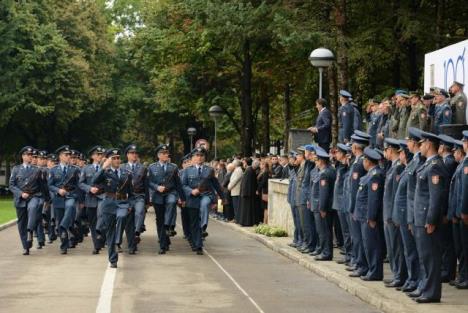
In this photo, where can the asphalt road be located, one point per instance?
(236, 274)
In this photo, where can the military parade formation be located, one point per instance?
(397, 192)
(60, 196)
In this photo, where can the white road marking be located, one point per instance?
(107, 289)
(234, 282)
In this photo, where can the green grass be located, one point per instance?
(7, 210)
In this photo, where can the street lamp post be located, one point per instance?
(215, 112)
(191, 131)
(321, 58)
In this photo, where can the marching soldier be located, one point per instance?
(93, 193)
(186, 162)
(442, 111)
(140, 198)
(166, 189)
(41, 164)
(63, 185)
(458, 103)
(50, 214)
(368, 212)
(199, 183)
(418, 117)
(26, 184)
(117, 183)
(428, 211)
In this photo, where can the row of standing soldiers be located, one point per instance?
(408, 203)
(58, 195)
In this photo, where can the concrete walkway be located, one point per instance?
(388, 300)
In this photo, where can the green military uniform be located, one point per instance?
(403, 121)
(418, 117)
(394, 121)
(458, 105)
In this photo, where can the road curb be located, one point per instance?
(373, 293)
(8, 224)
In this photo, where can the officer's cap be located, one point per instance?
(375, 100)
(428, 96)
(131, 148)
(321, 153)
(52, 157)
(362, 134)
(42, 154)
(371, 154)
(75, 153)
(447, 140)
(457, 144)
(310, 148)
(414, 134)
(162, 147)
(391, 143)
(82, 157)
(403, 95)
(401, 91)
(35, 152)
(360, 140)
(186, 157)
(458, 84)
(440, 91)
(345, 94)
(63, 149)
(403, 145)
(26, 149)
(292, 154)
(112, 152)
(429, 136)
(199, 151)
(465, 135)
(300, 150)
(96, 149)
(379, 152)
(343, 147)
(414, 93)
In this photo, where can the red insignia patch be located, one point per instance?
(375, 186)
(465, 170)
(323, 182)
(344, 113)
(355, 175)
(447, 113)
(397, 177)
(423, 115)
(435, 179)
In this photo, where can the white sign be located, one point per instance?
(444, 66)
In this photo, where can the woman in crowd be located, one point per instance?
(262, 189)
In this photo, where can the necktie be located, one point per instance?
(116, 173)
(64, 170)
(133, 167)
(199, 171)
(164, 168)
(97, 167)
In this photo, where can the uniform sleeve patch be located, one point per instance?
(460, 104)
(355, 175)
(447, 113)
(323, 182)
(375, 186)
(435, 179)
(465, 170)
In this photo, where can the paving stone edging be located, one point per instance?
(8, 224)
(366, 292)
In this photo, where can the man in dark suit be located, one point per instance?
(322, 128)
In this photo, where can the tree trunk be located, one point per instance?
(287, 116)
(265, 119)
(440, 7)
(396, 73)
(246, 101)
(339, 20)
(333, 101)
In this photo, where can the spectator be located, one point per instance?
(228, 210)
(248, 197)
(322, 128)
(262, 189)
(234, 187)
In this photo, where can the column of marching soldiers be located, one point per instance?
(408, 202)
(59, 196)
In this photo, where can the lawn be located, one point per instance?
(7, 211)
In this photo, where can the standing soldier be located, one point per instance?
(405, 110)
(165, 188)
(139, 200)
(292, 168)
(369, 213)
(26, 184)
(418, 117)
(458, 103)
(428, 101)
(309, 240)
(392, 233)
(327, 176)
(63, 185)
(93, 193)
(428, 204)
(345, 117)
(373, 116)
(117, 183)
(442, 112)
(463, 211)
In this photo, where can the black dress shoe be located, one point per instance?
(113, 265)
(342, 261)
(173, 233)
(315, 253)
(26, 252)
(367, 278)
(426, 300)
(131, 251)
(306, 251)
(95, 251)
(205, 234)
(388, 281)
(408, 289)
(199, 252)
(355, 274)
(350, 268)
(162, 251)
(64, 251)
(462, 285)
(29, 240)
(394, 284)
(292, 244)
(137, 239)
(322, 258)
(414, 294)
(50, 241)
(119, 249)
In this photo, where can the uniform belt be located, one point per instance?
(117, 196)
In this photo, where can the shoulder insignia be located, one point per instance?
(435, 179)
(465, 170)
(375, 186)
(434, 162)
(460, 104)
(355, 175)
(323, 182)
(447, 113)
(374, 172)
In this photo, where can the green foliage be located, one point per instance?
(270, 231)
